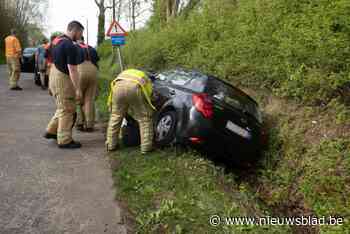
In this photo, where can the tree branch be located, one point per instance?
(97, 3)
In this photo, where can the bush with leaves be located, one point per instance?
(299, 49)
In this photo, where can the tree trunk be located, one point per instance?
(172, 8)
(133, 15)
(101, 26)
(119, 10)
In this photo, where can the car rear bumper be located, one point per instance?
(200, 132)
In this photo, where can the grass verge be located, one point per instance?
(169, 192)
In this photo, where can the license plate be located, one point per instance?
(238, 130)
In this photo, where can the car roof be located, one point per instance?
(30, 48)
(211, 77)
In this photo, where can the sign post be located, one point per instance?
(118, 38)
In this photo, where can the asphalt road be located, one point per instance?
(44, 189)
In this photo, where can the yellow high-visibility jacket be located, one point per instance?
(12, 47)
(138, 77)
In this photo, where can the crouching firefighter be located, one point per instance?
(131, 91)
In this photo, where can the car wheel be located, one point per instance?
(165, 128)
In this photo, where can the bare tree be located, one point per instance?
(27, 11)
(101, 20)
(165, 10)
(118, 9)
(22, 15)
(134, 5)
(136, 9)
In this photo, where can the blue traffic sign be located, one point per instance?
(118, 40)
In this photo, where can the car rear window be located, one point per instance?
(191, 80)
(29, 50)
(231, 96)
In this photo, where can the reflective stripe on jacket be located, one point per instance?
(12, 47)
(138, 77)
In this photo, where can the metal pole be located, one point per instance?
(120, 59)
(118, 48)
(87, 31)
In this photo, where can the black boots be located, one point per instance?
(71, 145)
(50, 136)
(17, 88)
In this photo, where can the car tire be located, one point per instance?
(165, 129)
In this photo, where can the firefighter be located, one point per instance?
(48, 57)
(88, 83)
(131, 91)
(13, 53)
(64, 85)
(42, 63)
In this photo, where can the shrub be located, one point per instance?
(299, 49)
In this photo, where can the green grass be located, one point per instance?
(306, 170)
(169, 192)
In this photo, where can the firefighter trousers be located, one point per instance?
(88, 85)
(62, 122)
(14, 70)
(128, 97)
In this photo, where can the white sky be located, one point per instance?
(61, 12)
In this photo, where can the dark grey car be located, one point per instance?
(28, 60)
(204, 111)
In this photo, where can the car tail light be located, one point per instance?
(196, 140)
(203, 104)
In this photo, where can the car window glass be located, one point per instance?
(161, 77)
(197, 83)
(29, 50)
(192, 80)
(179, 78)
(174, 77)
(225, 93)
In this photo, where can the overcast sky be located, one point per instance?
(61, 12)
